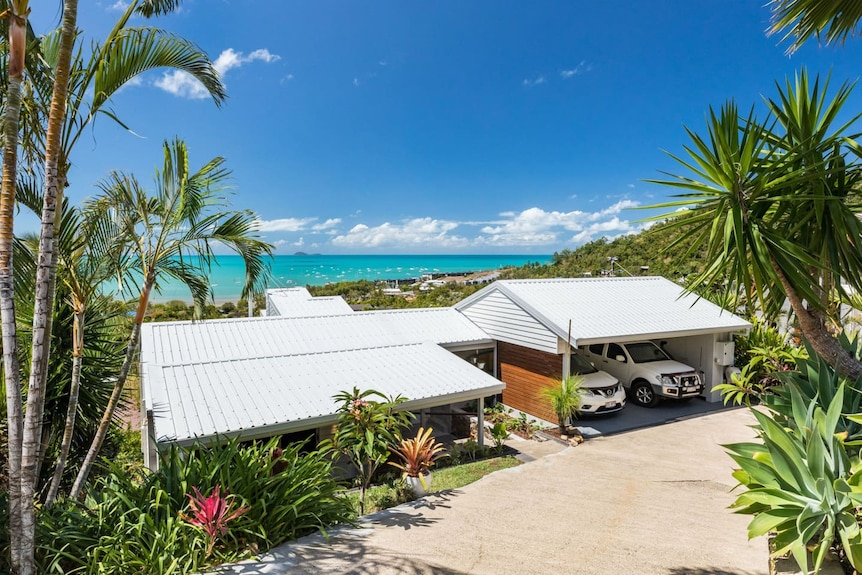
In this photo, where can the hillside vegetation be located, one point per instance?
(646, 253)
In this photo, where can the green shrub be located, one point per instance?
(131, 524)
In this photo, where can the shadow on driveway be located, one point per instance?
(637, 417)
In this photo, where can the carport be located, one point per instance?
(538, 322)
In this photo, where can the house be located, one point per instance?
(275, 376)
(537, 324)
(298, 302)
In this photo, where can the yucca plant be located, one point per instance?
(418, 454)
(800, 483)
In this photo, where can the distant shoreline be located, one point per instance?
(227, 272)
(447, 276)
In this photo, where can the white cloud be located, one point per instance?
(530, 82)
(182, 84)
(411, 234)
(582, 68)
(288, 78)
(285, 224)
(300, 242)
(355, 81)
(327, 225)
(535, 226)
(118, 6)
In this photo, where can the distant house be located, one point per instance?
(537, 322)
(275, 376)
(298, 302)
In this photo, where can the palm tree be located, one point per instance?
(769, 200)
(171, 235)
(16, 16)
(127, 53)
(87, 258)
(830, 21)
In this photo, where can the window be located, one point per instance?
(646, 352)
(614, 350)
(580, 366)
(597, 348)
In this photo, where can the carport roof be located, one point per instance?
(614, 309)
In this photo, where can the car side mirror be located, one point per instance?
(620, 358)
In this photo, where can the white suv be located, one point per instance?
(600, 391)
(646, 370)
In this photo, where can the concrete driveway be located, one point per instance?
(652, 501)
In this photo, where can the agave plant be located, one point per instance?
(418, 454)
(211, 514)
(800, 483)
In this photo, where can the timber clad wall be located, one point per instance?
(526, 373)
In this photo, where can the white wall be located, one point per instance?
(699, 352)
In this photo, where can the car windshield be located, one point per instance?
(646, 352)
(580, 366)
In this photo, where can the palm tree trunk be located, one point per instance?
(72, 409)
(44, 301)
(117, 392)
(814, 329)
(14, 408)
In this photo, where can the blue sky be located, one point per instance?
(484, 126)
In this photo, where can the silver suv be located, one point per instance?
(646, 370)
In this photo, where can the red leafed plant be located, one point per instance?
(212, 514)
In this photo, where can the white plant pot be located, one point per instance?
(416, 484)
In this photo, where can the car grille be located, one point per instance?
(689, 380)
(605, 391)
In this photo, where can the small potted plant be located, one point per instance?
(417, 455)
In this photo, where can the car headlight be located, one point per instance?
(667, 380)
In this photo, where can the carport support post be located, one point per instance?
(480, 425)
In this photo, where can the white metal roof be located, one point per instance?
(609, 309)
(264, 396)
(169, 343)
(298, 302)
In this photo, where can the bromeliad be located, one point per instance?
(211, 514)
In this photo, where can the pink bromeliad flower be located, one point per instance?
(211, 514)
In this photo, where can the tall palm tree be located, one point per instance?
(87, 259)
(769, 201)
(171, 234)
(830, 21)
(126, 53)
(16, 16)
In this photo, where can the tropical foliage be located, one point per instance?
(800, 483)
(170, 234)
(131, 523)
(768, 199)
(829, 21)
(565, 399)
(418, 454)
(366, 431)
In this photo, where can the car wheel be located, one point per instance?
(643, 394)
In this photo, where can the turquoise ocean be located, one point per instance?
(299, 270)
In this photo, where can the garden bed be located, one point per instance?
(395, 491)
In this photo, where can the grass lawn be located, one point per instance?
(396, 492)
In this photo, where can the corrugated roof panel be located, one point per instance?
(215, 340)
(261, 394)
